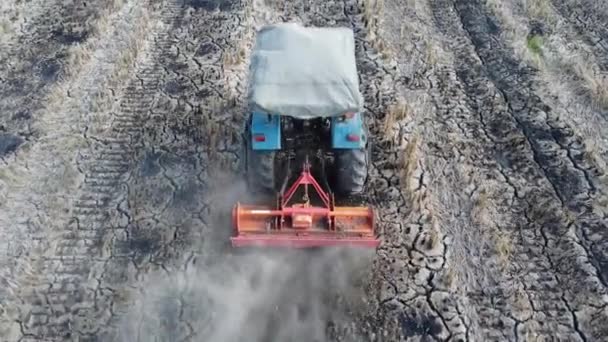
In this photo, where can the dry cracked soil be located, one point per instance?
(120, 159)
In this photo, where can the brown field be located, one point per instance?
(120, 149)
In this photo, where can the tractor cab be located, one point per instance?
(304, 102)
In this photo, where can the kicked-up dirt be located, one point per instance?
(120, 149)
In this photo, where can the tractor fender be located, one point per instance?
(265, 131)
(345, 130)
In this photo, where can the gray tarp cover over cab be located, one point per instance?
(304, 72)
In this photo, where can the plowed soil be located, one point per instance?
(120, 159)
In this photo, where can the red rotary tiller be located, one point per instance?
(302, 225)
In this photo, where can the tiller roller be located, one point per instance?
(302, 225)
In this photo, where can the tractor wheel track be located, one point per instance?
(36, 59)
(187, 151)
(79, 278)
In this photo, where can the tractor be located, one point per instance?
(304, 128)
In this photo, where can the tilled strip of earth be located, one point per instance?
(37, 58)
(548, 215)
(485, 200)
(588, 18)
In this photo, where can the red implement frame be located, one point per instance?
(301, 225)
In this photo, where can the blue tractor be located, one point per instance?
(304, 106)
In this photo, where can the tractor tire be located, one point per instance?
(260, 169)
(351, 171)
(351, 168)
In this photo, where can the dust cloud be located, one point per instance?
(253, 296)
(225, 294)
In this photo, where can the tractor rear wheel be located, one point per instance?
(351, 168)
(351, 171)
(260, 169)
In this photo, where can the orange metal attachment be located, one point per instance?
(302, 225)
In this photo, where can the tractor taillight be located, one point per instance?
(353, 137)
(259, 138)
(348, 115)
